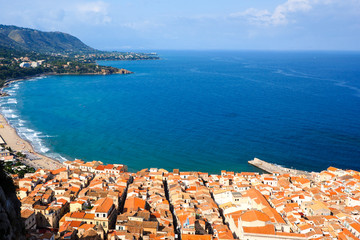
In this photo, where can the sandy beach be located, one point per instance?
(16, 143)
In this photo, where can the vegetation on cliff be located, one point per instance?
(11, 226)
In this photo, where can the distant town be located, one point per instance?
(91, 200)
(16, 64)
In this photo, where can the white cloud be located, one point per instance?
(280, 15)
(93, 12)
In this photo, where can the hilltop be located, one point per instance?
(19, 38)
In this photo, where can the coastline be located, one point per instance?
(7, 82)
(18, 144)
(12, 80)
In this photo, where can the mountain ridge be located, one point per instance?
(20, 38)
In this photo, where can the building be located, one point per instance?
(28, 217)
(25, 65)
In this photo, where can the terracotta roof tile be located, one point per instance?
(195, 237)
(134, 203)
(77, 215)
(254, 215)
(267, 229)
(26, 213)
(104, 205)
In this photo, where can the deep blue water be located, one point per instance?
(198, 110)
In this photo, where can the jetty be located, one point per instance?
(276, 169)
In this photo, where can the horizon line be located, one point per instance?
(238, 50)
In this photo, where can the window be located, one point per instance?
(104, 215)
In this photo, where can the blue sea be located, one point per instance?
(200, 110)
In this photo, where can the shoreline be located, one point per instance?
(9, 81)
(18, 144)
(12, 80)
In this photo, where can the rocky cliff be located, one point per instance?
(11, 226)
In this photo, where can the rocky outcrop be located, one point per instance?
(11, 226)
(123, 71)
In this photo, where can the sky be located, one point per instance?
(195, 24)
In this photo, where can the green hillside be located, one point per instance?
(44, 42)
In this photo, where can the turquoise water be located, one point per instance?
(203, 111)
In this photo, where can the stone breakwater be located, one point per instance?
(274, 168)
